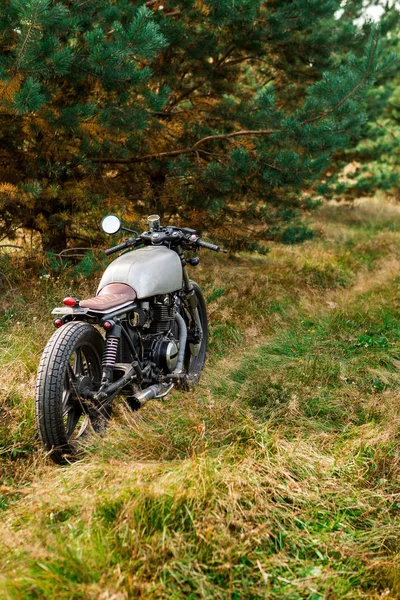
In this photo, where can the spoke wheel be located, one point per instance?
(70, 369)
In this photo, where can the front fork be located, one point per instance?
(192, 300)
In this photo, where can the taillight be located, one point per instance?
(69, 301)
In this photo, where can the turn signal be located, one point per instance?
(107, 325)
(71, 301)
(58, 323)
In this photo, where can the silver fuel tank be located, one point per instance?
(149, 271)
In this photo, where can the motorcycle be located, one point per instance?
(145, 332)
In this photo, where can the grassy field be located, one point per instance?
(277, 478)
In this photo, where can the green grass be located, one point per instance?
(278, 477)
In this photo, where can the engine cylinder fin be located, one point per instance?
(162, 318)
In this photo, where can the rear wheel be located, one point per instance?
(195, 355)
(69, 370)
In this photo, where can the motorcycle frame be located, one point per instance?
(133, 372)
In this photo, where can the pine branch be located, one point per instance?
(22, 51)
(83, 3)
(359, 85)
(184, 95)
(237, 61)
(248, 132)
(26, 40)
(194, 148)
(228, 52)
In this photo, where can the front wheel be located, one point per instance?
(69, 370)
(195, 355)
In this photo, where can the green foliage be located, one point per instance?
(225, 112)
(74, 82)
(88, 266)
(296, 234)
(29, 98)
(375, 158)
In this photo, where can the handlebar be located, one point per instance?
(176, 236)
(209, 246)
(126, 244)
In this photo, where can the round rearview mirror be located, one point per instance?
(111, 224)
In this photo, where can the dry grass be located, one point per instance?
(277, 478)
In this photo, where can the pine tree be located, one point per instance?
(219, 113)
(374, 161)
(73, 84)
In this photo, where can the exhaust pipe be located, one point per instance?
(159, 390)
(182, 343)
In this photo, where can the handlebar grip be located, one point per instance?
(209, 246)
(116, 249)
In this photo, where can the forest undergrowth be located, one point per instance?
(277, 477)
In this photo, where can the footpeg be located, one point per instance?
(177, 378)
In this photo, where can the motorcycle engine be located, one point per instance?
(163, 352)
(160, 344)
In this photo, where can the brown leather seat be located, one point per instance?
(110, 296)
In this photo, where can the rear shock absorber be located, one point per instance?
(109, 358)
